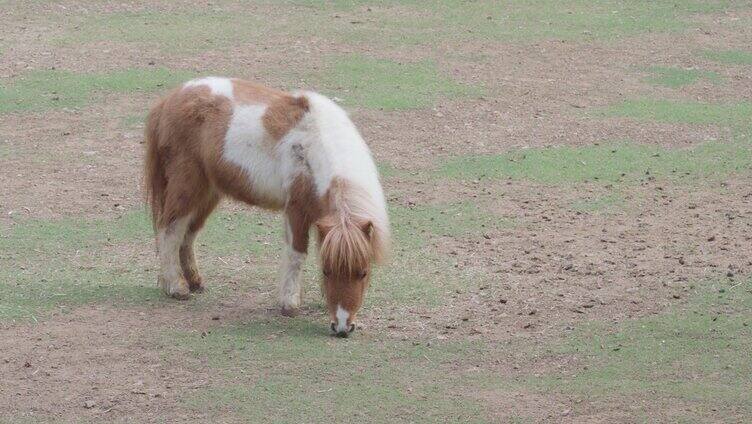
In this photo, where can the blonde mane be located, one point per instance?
(354, 232)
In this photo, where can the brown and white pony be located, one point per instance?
(296, 152)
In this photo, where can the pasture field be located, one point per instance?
(569, 183)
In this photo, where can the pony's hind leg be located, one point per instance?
(169, 240)
(188, 263)
(187, 256)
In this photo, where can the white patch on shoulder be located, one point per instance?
(219, 86)
(244, 147)
(342, 316)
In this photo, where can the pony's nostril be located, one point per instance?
(333, 327)
(352, 328)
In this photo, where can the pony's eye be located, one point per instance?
(362, 275)
(327, 273)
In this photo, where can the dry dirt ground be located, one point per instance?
(570, 185)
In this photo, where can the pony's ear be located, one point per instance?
(367, 228)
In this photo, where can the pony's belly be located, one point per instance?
(255, 184)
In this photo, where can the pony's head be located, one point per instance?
(348, 248)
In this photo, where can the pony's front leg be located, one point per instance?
(293, 258)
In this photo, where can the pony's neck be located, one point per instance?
(342, 200)
(348, 208)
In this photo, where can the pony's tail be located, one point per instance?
(154, 178)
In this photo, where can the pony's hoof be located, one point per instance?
(290, 312)
(176, 289)
(180, 296)
(197, 288)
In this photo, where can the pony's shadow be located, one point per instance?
(246, 314)
(265, 321)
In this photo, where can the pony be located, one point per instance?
(294, 152)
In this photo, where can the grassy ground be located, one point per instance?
(568, 184)
(677, 77)
(40, 90)
(692, 354)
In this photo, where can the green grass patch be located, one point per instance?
(413, 226)
(45, 265)
(5, 150)
(627, 162)
(29, 293)
(168, 32)
(343, 5)
(698, 353)
(44, 237)
(738, 115)
(733, 57)
(525, 20)
(225, 233)
(387, 170)
(424, 22)
(617, 162)
(678, 77)
(598, 204)
(290, 371)
(253, 232)
(417, 279)
(397, 23)
(388, 85)
(51, 264)
(40, 90)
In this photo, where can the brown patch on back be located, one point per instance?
(246, 92)
(283, 114)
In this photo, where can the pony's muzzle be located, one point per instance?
(342, 333)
